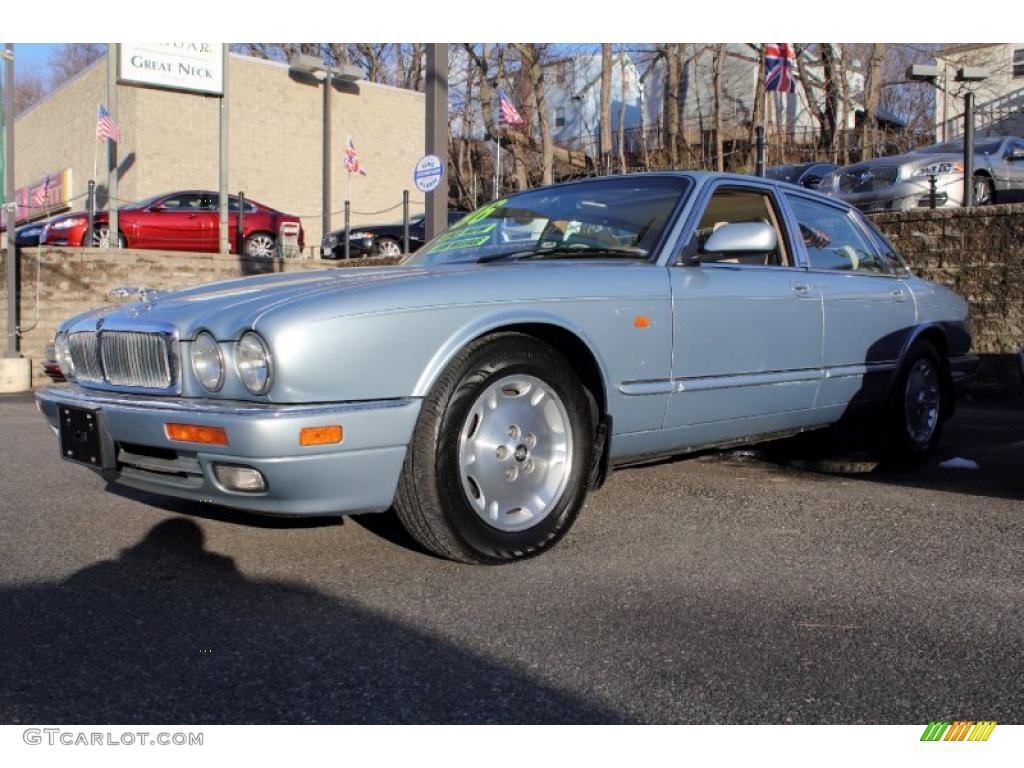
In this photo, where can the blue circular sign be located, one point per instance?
(428, 173)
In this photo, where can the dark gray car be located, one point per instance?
(903, 182)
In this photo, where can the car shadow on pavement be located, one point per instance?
(981, 453)
(169, 632)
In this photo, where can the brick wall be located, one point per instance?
(74, 280)
(979, 252)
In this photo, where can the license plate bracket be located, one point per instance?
(80, 435)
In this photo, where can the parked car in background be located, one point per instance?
(903, 182)
(380, 239)
(177, 221)
(28, 235)
(485, 385)
(806, 175)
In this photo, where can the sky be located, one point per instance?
(32, 56)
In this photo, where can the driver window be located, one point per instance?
(731, 206)
(833, 240)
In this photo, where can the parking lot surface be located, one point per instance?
(743, 587)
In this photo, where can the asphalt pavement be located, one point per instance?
(739, 587)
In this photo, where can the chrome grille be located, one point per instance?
(82, 346)
(868, 179)
(136, 359)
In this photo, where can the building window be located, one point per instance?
(559, 117)
(560, 72)
(1018, 62)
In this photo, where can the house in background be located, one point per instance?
(999, 99)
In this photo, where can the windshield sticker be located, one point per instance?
(471, 232)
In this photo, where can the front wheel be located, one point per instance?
(917, 410)
(984, 191)
(101, 237)
(497, 467)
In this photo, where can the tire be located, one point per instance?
(387, 246)
(463, 498)
(917, 408)
(984, 190)
(101, 237)
(260, 245)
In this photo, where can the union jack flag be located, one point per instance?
(106, 128)
(507, 112)
(779, 62)
(352, 159)
(39, 194)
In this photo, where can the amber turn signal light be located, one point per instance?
(194, 433)
(641, 321)
(321, 435)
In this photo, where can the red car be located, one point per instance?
(177, 221)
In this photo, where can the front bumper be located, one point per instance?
(358, 475)
(908, 195)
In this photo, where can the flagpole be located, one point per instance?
(497, 168)
(95, 148)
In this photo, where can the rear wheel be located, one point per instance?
(917, 410)
(259, 245)
(387, 246)
(497, 467)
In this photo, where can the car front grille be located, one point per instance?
(136, 359)
(85, 356)
(868, 179)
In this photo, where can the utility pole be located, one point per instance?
(10, 207)
(113, 54)
(968, 149)
(437, 134)
(225, 243)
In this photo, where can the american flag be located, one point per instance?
(779, 61)
(507, 113)
(352, 159)
(106, 128)
(39, 194)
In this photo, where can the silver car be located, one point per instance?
(486, 385)
(903, 182)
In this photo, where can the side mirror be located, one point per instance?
(742, 238)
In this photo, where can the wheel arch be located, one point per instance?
(936, 336)
(571, 342)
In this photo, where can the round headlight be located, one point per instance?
(207, 362)
(252, 359)
(62, 353)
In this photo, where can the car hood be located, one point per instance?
(910, 160)
(228, 308)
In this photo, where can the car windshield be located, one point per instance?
(785, 172)
(987, 147)
(606, 218)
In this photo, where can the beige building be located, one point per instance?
(999, 99)
(170, 140)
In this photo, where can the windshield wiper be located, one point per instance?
(563, 252)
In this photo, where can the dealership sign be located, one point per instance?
(49, 194)
(196, 67)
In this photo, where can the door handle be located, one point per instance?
(898, 293)
(801, 289)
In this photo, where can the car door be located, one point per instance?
(869, 311)
(174, 223)
(747, 331)
(1014, 172)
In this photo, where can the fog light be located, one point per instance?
(238, 478)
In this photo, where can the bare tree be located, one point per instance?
(29, 88)
(605, 142)
(622, 109)
(68, 60)
(717, 63)
(872, 96)
(532, 56)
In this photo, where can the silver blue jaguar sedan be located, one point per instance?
(482, 388)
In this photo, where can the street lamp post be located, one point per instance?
(929, 73)
(315, 66)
